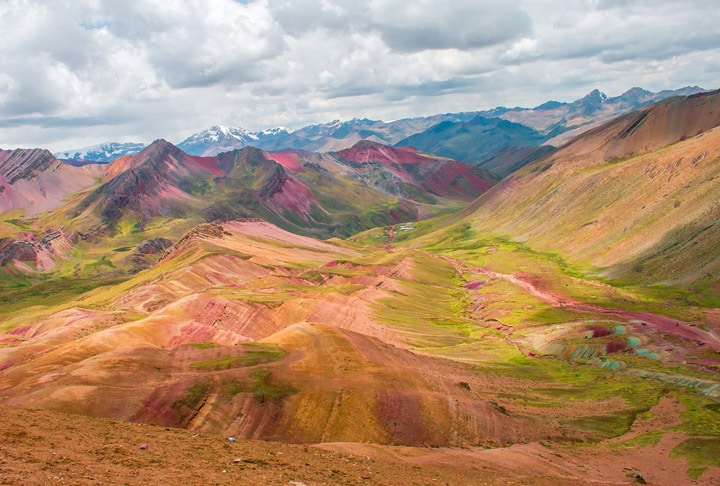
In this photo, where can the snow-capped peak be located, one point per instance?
(218, 133)
(269, 132)
(103, 152)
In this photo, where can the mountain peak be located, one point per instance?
(157, 149)
(595, 94)
(590, 104)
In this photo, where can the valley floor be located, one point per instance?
(450, 359)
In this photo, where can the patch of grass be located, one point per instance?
(604, 426)
(193, 396)
(232, 388)
(644, 440)
(254, 354)
(431, 308)
(103, 261)
(575, 279)
(552, 383)
(204, 345)
(264, 391)
(48, 290)
(702, 415)
(700, 453)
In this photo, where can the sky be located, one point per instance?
(79, 72)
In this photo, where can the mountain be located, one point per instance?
(332, 194)
(218, 139)
(635, 197)
(475, 140)
(558, 122)
(501, 139)
(436, 176)
(102, 153)
(512, 158)
(33, 181)
(338, 135)
(562, 121)
(147, 185)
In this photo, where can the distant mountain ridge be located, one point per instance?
(102, 153)
(501, 140)
(553, 123)
(474, 140)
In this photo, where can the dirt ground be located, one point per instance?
(41, 447)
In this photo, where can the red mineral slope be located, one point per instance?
(287, 158)
(436, 175)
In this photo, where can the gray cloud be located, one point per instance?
(436, 24)
(76, 72)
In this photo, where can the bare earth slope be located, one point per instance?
(639, 194)
(249, 331)
(33, 181)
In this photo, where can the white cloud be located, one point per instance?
(77, 72)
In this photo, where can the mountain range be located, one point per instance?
(550, 123)
(377, 302)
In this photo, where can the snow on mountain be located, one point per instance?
(218, 139)
(273, 132)
(102, 153)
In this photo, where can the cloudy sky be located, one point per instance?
(80, 72)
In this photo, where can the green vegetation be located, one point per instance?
(204, 345)
(702, 416)
(264, 391)
(47, 290)
(644, 440)
(232, 388)
(254, 354)
(193, 396)
(431, 309)
(700, 453)
(554, 383)
(259, 386)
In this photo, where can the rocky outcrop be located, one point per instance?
(274, 184)
(204, 230)
(22, 250)
(25, 164)
(154, 246)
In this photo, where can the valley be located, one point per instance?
(369, 314)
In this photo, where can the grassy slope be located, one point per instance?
(634, 200)
(426, 308)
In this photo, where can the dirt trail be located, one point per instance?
(661, 323)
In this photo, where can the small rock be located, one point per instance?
(237, 460)
(143, 446)
(638, 478)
